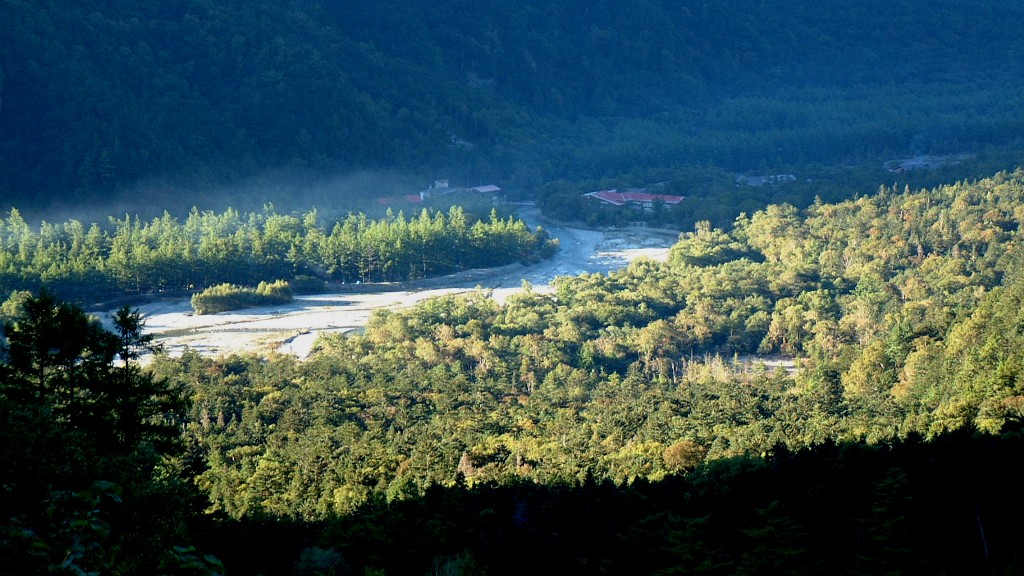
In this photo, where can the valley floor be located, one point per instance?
(293, 328)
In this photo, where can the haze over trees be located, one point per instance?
(133, 256)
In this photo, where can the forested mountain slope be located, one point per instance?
(97, 96)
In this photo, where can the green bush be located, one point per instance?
(224, 297)
(276, 292)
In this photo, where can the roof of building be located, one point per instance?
(438, 190)
(622, 198)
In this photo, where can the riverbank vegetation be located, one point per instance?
(224, 297)
(887, 303)
(129, 255)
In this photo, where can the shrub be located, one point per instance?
(224, 297)
(276, 292)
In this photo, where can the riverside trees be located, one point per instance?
(130, 255)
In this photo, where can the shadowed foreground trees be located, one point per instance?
(909, 507)
(89, 480)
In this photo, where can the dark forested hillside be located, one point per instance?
(99, 96)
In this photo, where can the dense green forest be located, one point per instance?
(718, 196)
(133, 256)
(899, 308)
(619, 413)
(98, 97)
